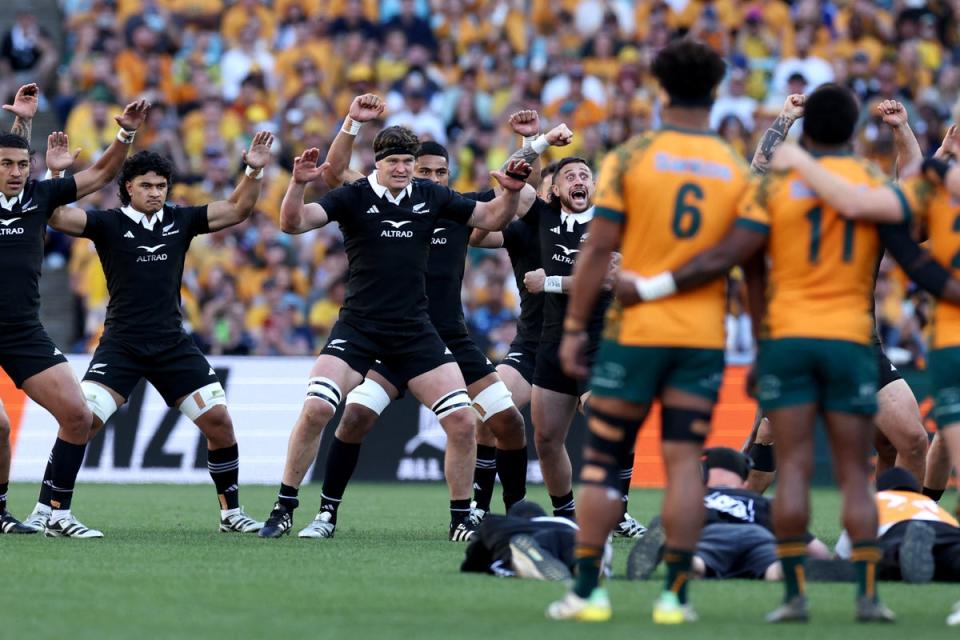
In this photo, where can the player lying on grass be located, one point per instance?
(919, 539)
(27, 354)
(142, 247)
(388, 220)
(525, 543)
(737, 539)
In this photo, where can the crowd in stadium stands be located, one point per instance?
(216, 71)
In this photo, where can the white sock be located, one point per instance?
(228, 512)
(42, 508)
(56, 515)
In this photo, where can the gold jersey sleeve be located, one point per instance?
(939, 211)
(822, 266)
(675, 192)
(900, 506)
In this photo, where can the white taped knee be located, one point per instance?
(493, 400)
(453, 401)
(202, 400)
(371, 395)
(324, 389)
(99, 400)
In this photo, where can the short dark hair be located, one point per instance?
(727, 459)
(394, 140)
(548, 170)
(898, 479)
(13, 141)
(431, 148)
(142, 163)
(568, 161)
(830, 115)
(526, 509)
(689, 72)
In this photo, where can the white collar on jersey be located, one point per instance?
(382, 191)
(10, 203)
(570, 219)
(142, 218)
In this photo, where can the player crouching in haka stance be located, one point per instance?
(142, 247)
(388, 220)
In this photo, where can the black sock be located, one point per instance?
(288, 497)
(626, 475)
(66, 461)
(341, 463)
(512, 469)
(44, 497)
(564, 506)
(933, 494)
(3, 496)
(224, 467)
(459, 511)
(484, 476)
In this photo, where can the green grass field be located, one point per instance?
(164, 571)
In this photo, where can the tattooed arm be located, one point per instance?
(792, 111)
(527, 124)
(24, 107)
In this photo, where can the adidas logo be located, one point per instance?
(57, 352)
(128, 235)
(555, 230)
(212, 372)
(373, 209)
(447, 352)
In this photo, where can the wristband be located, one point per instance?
(126, 137)
(572, 326)
(553, 284)
(659, 286)
(256, 174)
(528, 140)
(539, 144)
(50, 175)
(350, 126)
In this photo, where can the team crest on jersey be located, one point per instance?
(169, 230)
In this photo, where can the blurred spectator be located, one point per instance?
(26, 54)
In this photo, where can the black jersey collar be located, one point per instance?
(570, 219)
(8, 204)
(141, 218)
(382, 191)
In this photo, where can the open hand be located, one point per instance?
(305, 169)
(134, 114)
(514, 177)
(59, 158)
(25, 102)
(258, 155)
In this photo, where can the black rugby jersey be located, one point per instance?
(448, 256)
(560, 235)
(388, 245)
(522, 243)
(737, 506)
(144, 267)
(23, 226)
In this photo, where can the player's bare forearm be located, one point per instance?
(22, 127)
(291, 209)
(338, 156)
(103, 171)
(736, 248)
(498, 213)
(771, 139)
(907, 147)
(593, 264)
(237, 207)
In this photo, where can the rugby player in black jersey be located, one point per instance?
(27, 353)
(142, 248)
(388, 220)
(500, 426)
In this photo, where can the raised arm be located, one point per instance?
(486, 239)
(107, 166)
(295, 216)
(24, 107)
(772, 137)
(497, 214)
(69, 220)
(238, 207)
(905, 143)
(921, 267)
(363, 109)
(873, 204)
